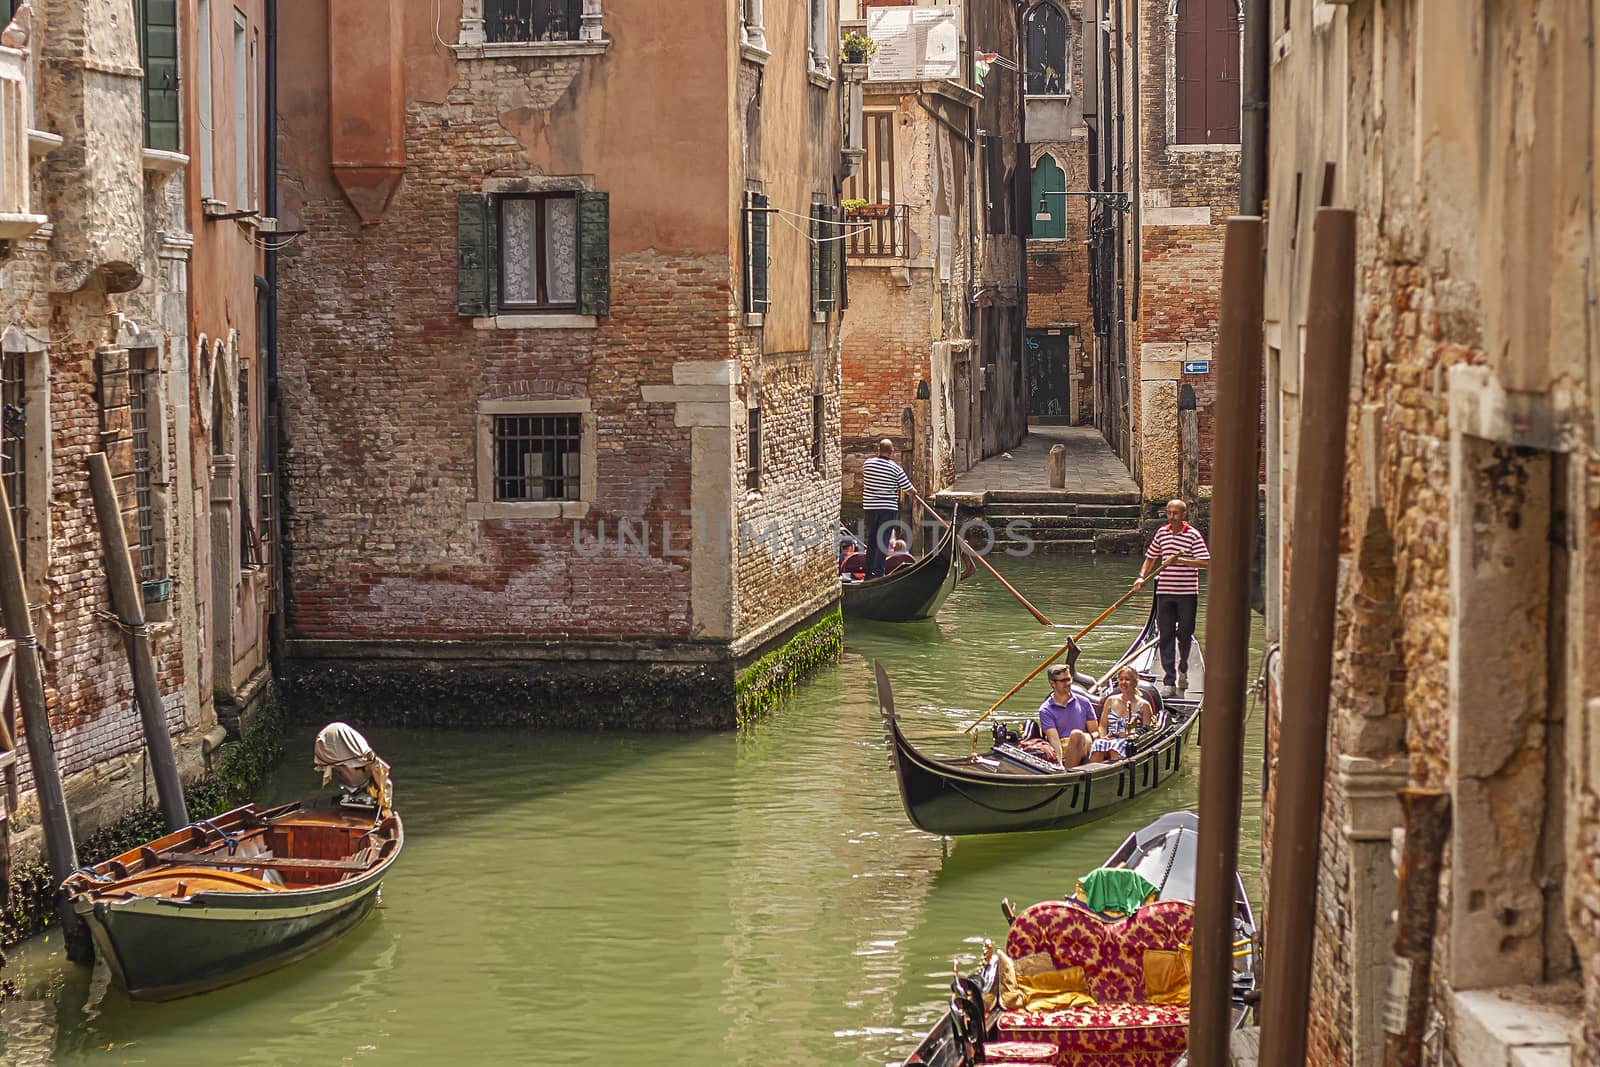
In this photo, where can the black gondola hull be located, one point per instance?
(914, 591)
(955, 799)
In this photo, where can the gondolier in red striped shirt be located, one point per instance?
(1177, 592)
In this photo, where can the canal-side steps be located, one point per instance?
(1059, 521)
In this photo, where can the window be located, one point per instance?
(822, 45)
(539, 252)
(241, 112)
(1050, 219)
(1046, 30)
(255, 120)
(875, 182)
(757, 298)
(203, 77)
(14, 444)
(158, 54)
(532, 20)
(534, 253)
(141, 388)
(536, 459)
(752, 477)
(825, 241)
(1206, 61)
(819, 414)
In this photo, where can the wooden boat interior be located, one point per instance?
(248, 850)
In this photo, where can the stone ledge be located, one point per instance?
(1536, 1024)
(529, 49)
(527, 509)
(536, 322)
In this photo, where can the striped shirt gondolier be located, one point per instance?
(1178, 580)
(882, 481)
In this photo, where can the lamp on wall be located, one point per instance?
(1116, 201)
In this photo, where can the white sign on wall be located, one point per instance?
(915, 43)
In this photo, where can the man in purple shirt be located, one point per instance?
(1067, 718)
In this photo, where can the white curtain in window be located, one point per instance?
(561, 249)
(519, 245)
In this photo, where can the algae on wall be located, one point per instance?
(767, 681)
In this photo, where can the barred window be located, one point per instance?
(532, 20)
(13, 444)
(141, 384)
(752, 476)
(818, 427)
(536, 457)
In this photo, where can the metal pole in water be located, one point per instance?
(1233, 538)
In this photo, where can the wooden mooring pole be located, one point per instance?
(61, 852)
(126, 601)
(1233, 538)
(1308, 639)
(1427, 822)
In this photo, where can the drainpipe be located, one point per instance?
(974, 352)
(1135, 207)
(275, 635)
(1253, 151)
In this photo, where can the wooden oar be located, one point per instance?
(1133, 653)
(972, 554)
(1071, 641)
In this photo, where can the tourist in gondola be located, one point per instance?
(1118, 712)
(1177, 592)
(1067, 718)
(882, 482)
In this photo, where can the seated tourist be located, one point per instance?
(1067, 718)
(1118, 713)
(898, 555)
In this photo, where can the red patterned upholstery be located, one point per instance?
(1019, 1052)
(1120, 1027)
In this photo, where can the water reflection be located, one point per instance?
(703, 899)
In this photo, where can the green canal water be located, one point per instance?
(625, 899)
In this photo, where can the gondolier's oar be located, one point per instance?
(1071, 641)
(972, 554)
(1127, 658)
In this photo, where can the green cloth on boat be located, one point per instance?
(1113, 890)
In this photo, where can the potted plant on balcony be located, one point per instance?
(857, 48)
(861, 209)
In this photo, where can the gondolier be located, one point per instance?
(1177, 592)
(882, 482)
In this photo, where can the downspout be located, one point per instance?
(1119, 160)
(974, 354)
(275, 631)
(1022, 175)
(1253, 134)
(1135, 207)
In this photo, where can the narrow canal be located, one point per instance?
(619, 899)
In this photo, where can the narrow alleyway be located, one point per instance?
(1092, 469)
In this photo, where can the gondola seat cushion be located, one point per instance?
(1123, 1022)
(1018, 1052)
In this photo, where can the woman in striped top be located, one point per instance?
(1177, 592)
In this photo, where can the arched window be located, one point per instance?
(1050, 218)
(1207, 68)
(1046, 49)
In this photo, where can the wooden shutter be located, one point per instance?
(158, 51)
(594, 253)
(757, 300)
(476, 255)
(1222, 72)
(1190, 65)
(828, 258)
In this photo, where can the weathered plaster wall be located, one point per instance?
(1469, 530)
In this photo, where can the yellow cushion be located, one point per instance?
(1055, 990)
(1038, 963)
(1166, 976)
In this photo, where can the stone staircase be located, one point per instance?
(1064, 521)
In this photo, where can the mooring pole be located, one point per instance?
(129, 608)
(1233, 538)
(1308, 639)
(60, 850)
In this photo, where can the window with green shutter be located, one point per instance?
(825, 229)
(756, 297)
(533, 253)
(157, 22)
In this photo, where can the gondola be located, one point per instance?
(1165, 854)
(235, 896)
(1007, 789)
(913, 591)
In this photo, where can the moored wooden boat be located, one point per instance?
(913, 591)
(1005, 791)
(238, 895)
(975, 1030)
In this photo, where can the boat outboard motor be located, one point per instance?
(341, 752)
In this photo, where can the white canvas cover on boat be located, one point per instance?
(341, 751)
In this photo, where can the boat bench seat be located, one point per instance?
(1125, 1025)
